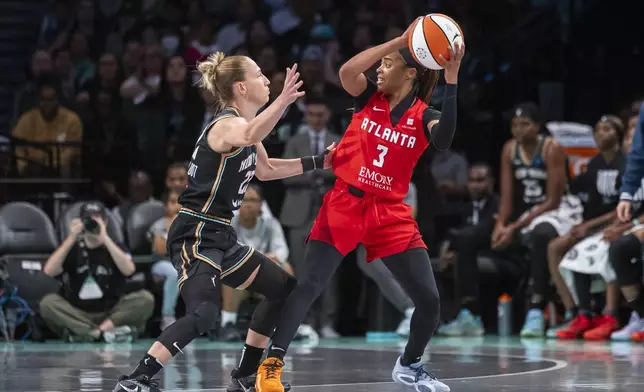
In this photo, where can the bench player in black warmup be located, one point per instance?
(202, 244)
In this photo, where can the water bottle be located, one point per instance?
(505, 315)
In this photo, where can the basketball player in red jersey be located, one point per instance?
(390, 129)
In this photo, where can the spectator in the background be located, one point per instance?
(182, 108)
(93, 305)
(52, 123)
(205, 40)
(303, 199)
(387, 283)
(108, 78)
(64, 71)
(264, 234)
(632, 179)
(88, 24)
(109, 142)
(362, 38)
(132, 57)
(234, 34)
(267, 60)
(294, 24)
(26, 97)
(176, 177)
(258, 36)
(55, 22)
(450, 170)
(464, 248)
(164, 267)
(140, 189)
(84, 69)
(146, 80)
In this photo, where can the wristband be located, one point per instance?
(313, 162)
(635, 222)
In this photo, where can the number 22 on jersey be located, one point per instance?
(381, 156)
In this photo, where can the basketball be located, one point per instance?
(431, 36)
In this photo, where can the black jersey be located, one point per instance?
(217, 181)
(530, 179)
(600, 185)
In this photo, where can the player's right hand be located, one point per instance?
(76, 228)
(624, 210)
(290, 91)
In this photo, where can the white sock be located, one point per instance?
(228, 317)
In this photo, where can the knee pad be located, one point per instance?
(625, 255)
(205, 314)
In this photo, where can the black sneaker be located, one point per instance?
(229, 333)
(140, 383)
(247, 384)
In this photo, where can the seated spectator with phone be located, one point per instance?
(93, 304)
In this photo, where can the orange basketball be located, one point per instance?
(431, 36)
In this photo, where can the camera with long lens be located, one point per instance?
(90, 225)
(89, 211)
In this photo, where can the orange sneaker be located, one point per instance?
(638, 336)
(269, 376)
(604, 326)
(579, 325)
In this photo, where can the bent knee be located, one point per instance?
(49, 303)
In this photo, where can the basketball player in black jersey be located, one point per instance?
(202, 244)
(533, 184)
(599, 184)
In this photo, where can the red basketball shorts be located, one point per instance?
(384, 227)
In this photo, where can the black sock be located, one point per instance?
(407, 359)
(249, 361)
(276, 352)
(148, 366)
(638, 304)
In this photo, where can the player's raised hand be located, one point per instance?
(292, 84)
(330, 151)
(452, 65)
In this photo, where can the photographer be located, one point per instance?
(92, 305)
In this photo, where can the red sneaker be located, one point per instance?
(579, 325)
(604, 326)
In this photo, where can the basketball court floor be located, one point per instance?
(355, 365)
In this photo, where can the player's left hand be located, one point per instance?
(452, 65)
(329, 155)
(504, 237)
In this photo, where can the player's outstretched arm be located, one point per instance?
(274, 168)
(236, 132)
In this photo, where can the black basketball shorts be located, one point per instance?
(198, 246)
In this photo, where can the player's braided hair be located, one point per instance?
(427, 81)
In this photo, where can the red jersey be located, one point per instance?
(378, 157)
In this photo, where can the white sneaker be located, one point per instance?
(405, 324)
(415, 375)
(305, 331)
(635, 324)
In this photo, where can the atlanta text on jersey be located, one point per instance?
(387, 134)
(192, 170)
(375, 179)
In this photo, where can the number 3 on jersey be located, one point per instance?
(381, 157)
